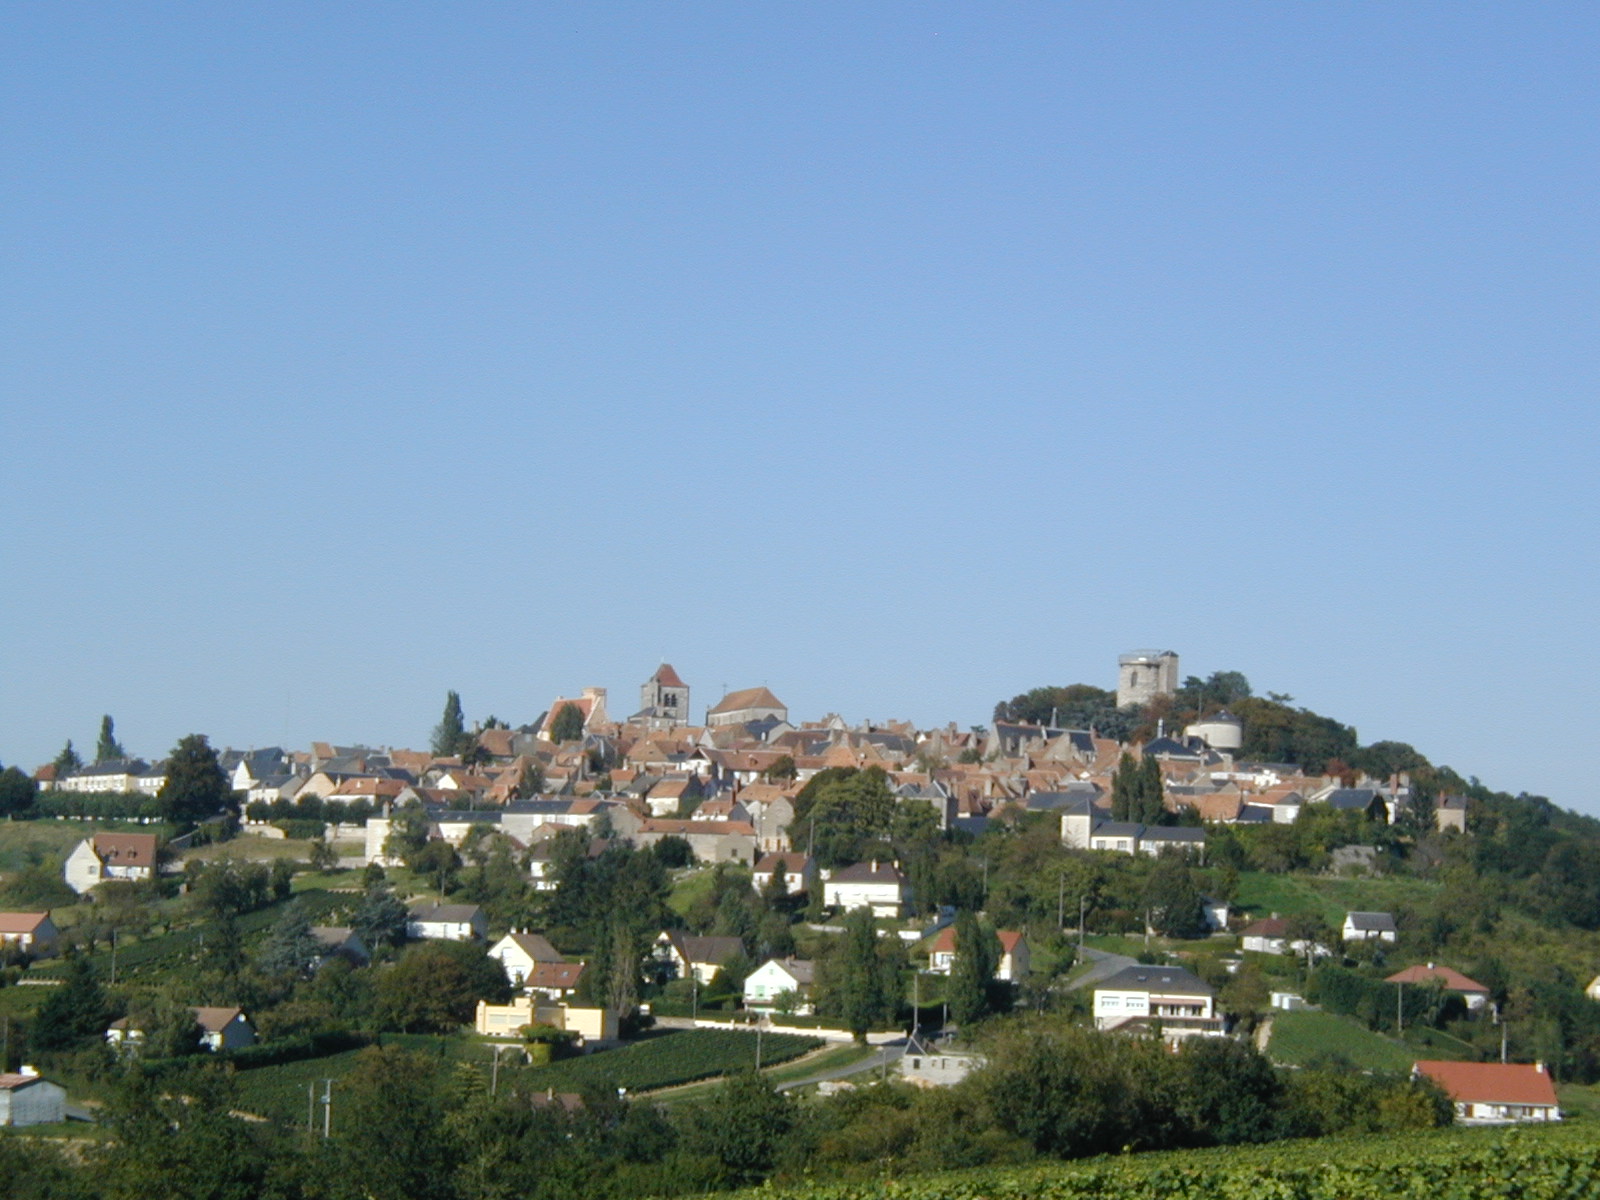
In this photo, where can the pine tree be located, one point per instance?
(1153, 807)
(108, 749)
(74, 1014)
(450, 734)
(290, 948)
(381, 920)
(67, 761)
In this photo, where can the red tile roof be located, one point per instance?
(667, 677)
(1492, 1083)
(1453, 980)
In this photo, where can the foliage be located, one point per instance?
(195, 786)
(859, 976)
(18, 790)
(436, 986)
(107, 748)
(74, 1014)
(1274, 732)
(67, 761)
(976, 959)
(567, 724)
(1173, 900)
(1077, 706)
(450, 736)
(392, 1100)
(847, 814)
(1137, 791)
(290, 948)
(741, 1125)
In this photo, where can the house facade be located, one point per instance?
(1495, 1093)
(1177, 1001)
(104, 856)
(777, 977)
(876, 885)
(1369, 927)
(33, 933)
(448, 922)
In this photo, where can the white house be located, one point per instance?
(32, 932)
(1369, 927)
(932, 1066)
(1179, 1002)
(26, 1098)
(775, 977)
(878, 886)
(1495, 1093)
(519, 953)
(687, 956)
(1083, 828)
(448, 922)
(799, 872)
(104, 856)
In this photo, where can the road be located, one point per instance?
(886, 1056)
(1104, 965)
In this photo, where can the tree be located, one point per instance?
(381, 919)
(17, 791)
(290, 947)
(73, 1014)
(741, 1125)
(323, 856)
(436, 986)
(108, 749)
(977, 956)
(195, 787)
(1174, 903)
(450, 735)
(390, 1100)
(782, 769)
(567, 724)
(170, 1029)
(856, 985)
(530, 779)
(67, 761)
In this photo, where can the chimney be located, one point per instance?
(32, 1072)
(1538, 1066)
(874, 866)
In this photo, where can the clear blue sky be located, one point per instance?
(900, 357)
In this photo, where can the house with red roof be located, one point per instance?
(1495, 1093)
(1014, 954)
(32, 932)
(1474, 993)
(106, 856)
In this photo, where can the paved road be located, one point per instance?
(1104, 966)
(886, 1055)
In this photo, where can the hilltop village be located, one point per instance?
(1176, 890)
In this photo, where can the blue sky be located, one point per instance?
(900, 357)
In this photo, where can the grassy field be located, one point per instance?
(687, 889)
(27, 843)
(1298, 1038)
(1264, 893)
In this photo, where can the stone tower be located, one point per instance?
(664, 699)
(1142, 675)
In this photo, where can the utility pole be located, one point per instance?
(1082, 900)
(1399, 1009)
(327, 1108)
(1061, 900)
(311, 1106)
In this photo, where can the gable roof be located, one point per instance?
(756, 697)
(869, 872)
(713, 950)
(1371, 922)
(126, 849)
(1453, 980)
(451, 913)
(535, 946)
(557, 975)
(1492, 1083)
(1166, 980)
(215, 1020)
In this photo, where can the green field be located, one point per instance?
(1554, 1162)
(1298, 1038)
(1265, 892)
(280, 1092)
(27, 843)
